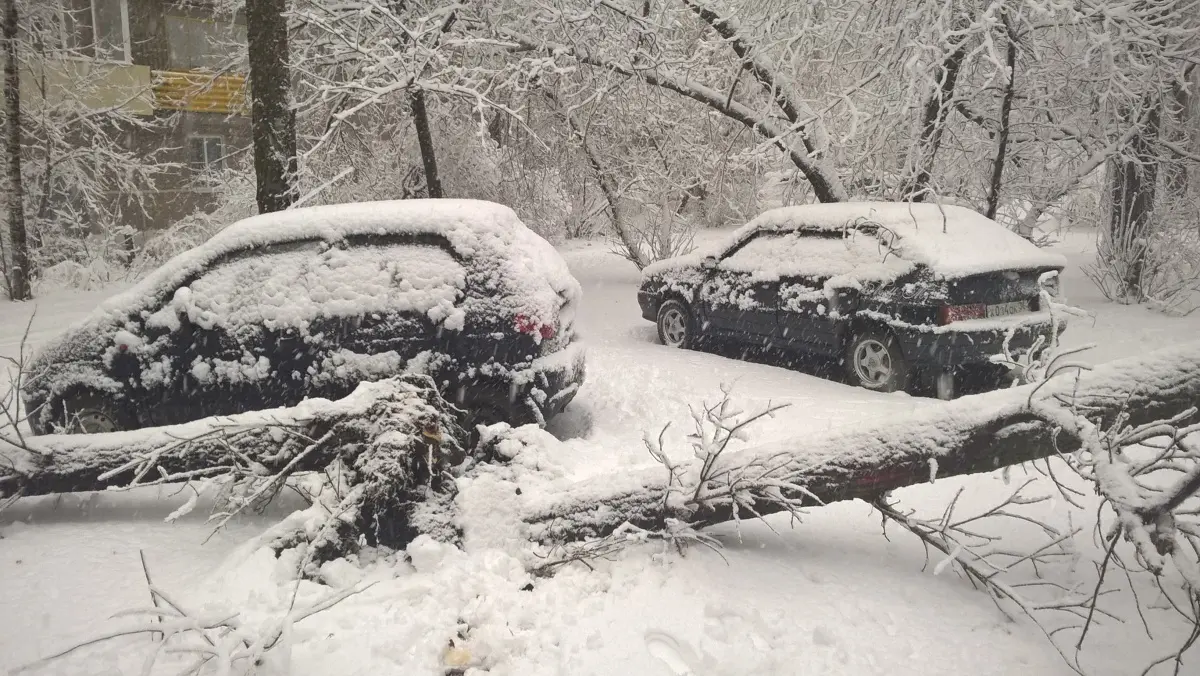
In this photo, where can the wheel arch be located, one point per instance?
(668, 294)
(51, 411)
(859, 324)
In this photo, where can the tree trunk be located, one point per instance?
(272, 119)
(1183, 125)
(608, 186)
(933, 120)
(1132, 185)
(18, 263)
(383, 431)
(393, 437)
(825, 183)
(969, 436)
(997, 180)
(433, 184)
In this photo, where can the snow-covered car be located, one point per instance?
(904, 294)
(310, 302)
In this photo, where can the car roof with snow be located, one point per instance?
(506, 253)
(952, 241)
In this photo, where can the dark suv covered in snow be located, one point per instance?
(310, 302)
(903, 294)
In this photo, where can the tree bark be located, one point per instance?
(394, 437)
(1132, 187)
(608, 186)
(933, 121)
(1183, 125)
(433, 185)
(18, 267)
(272, 119)
(997, 179)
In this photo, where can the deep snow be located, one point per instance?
(830, 597)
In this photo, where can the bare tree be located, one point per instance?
(433, 184)
(17, 271)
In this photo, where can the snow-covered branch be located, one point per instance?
(978, 434)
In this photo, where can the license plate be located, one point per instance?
(1006, 309)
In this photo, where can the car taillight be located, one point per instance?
(529, 326)
(957, 313)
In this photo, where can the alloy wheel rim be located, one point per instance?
(91, 421)
(872, 362)
(674, 328)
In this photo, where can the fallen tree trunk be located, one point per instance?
(390, 441)
(967, 436)
(307, 437)
(391, 434)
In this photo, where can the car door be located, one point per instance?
(242, 336)
(806, 320)
(819, 291)
(740, 295)
(404, 296)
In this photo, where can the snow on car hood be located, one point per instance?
(952, 241)
(526, 272)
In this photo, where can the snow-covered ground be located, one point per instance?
(830, 596)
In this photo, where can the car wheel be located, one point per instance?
(675, 325)
(90, 413)
(874, 361)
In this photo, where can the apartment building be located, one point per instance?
(169, 59)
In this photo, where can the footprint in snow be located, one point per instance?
(678, 658)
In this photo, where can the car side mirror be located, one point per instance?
(709, 263)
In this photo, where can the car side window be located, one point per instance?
(397, 277)
(289, 286)
(814, 256)
(256, 287)
(759, 253)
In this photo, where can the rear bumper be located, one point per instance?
(552, 381)
(972, 342)
(534, 391)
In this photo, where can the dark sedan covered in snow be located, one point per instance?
(903, 294)
(310, 302)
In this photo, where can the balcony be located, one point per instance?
(201, 92)
(93, 84)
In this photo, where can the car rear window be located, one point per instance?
(772, 255)
(290, 288)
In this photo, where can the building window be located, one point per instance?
(206, 153)
(97, 29)
(204, 43)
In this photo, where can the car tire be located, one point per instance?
(875, 361)
(90, 413)
(675, 325)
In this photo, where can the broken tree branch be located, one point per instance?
(968, 436)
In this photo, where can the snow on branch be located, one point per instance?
(826, 184)
(967, 436)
